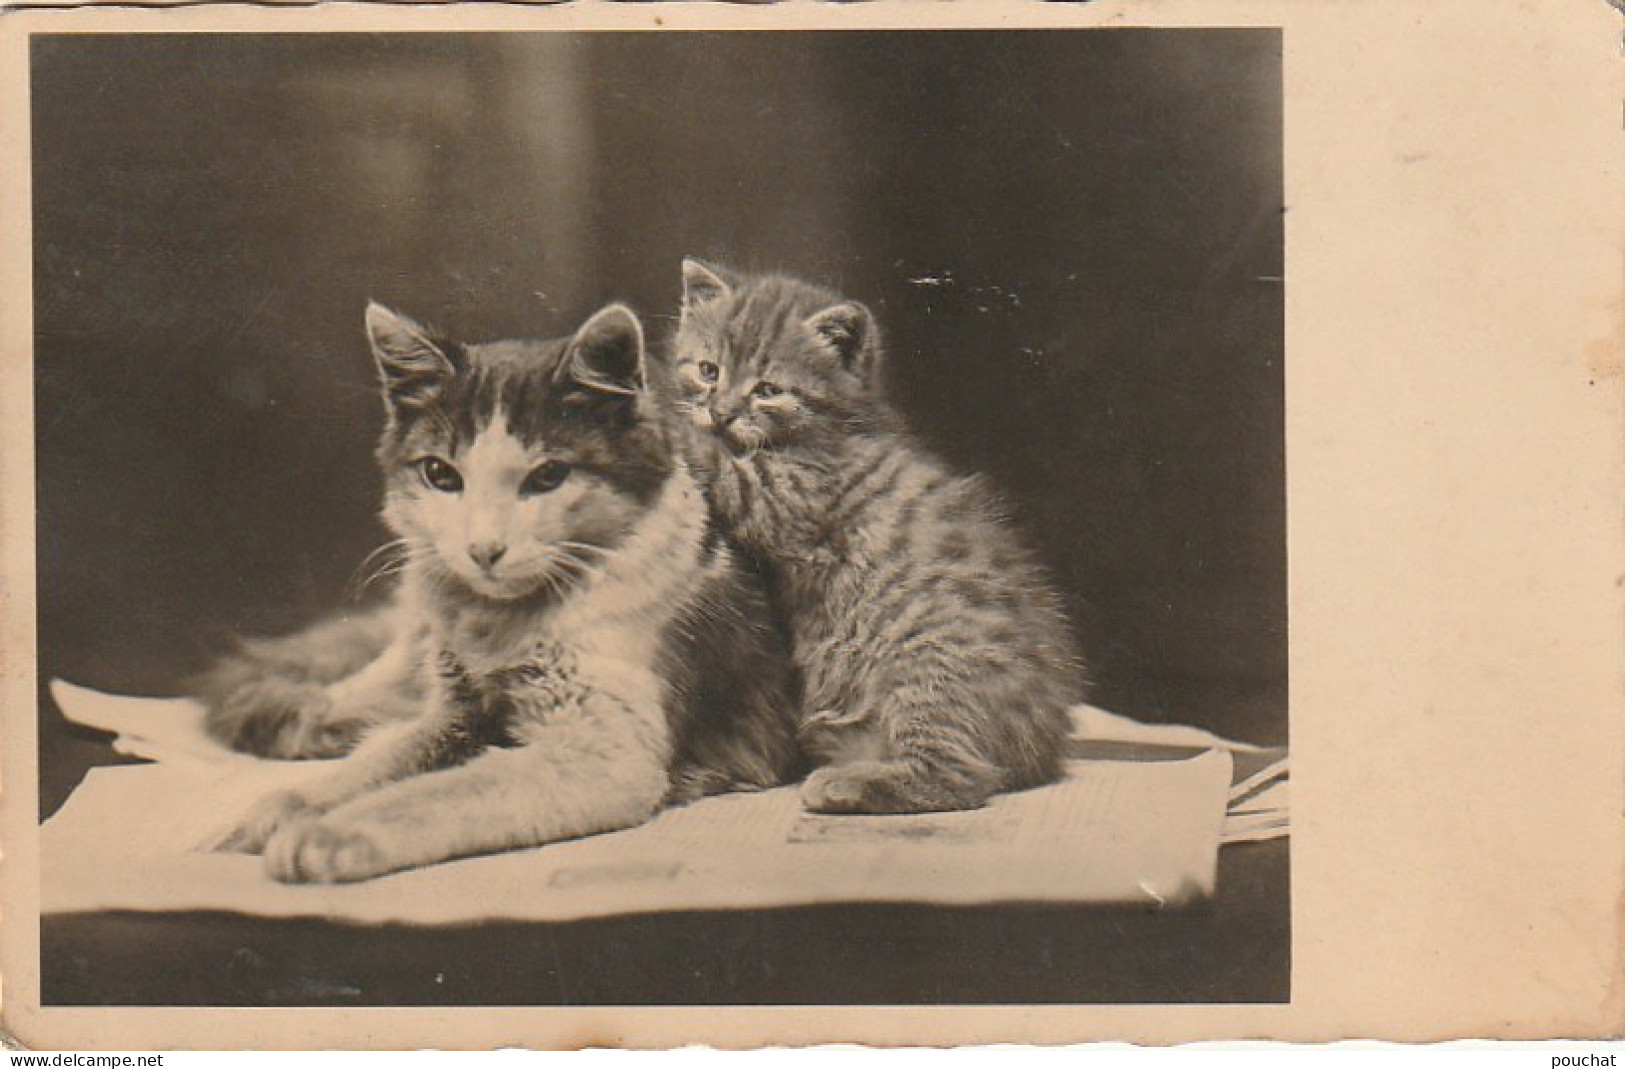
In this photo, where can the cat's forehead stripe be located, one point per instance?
(752, 334)
(518, 383)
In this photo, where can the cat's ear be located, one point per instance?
(411, 363)
(702, 284)
(848, 329)
(606, 354)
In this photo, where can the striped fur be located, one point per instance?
(574, 643)
(936, 662)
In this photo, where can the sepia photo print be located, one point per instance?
(1065, 255)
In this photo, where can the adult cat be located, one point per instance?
(936, 662)
(573, 644)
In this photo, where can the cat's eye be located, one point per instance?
(545, 478)
(707, 371)
(766, 391)
(440, 475)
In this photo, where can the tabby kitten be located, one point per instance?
(573, 643)
(936, 662)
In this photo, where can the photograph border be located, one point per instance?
(1410, 227)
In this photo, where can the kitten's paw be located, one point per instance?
(894, 787)
(271, 813)
(841, 789)
(319, 852)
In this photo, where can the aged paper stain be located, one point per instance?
(1605, 356)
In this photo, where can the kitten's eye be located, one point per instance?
(440, 475)
(708, 371)
(545, 478)
(766, 391)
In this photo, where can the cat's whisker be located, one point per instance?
(391, 567)
(564, 570)
(383, 560)
(394, 545)
(581, 568)
(581, 547)
(409, 552)
(378, 576)
(550, 581)
(574, 566)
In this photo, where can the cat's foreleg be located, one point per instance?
(405, 748)
(593, 771)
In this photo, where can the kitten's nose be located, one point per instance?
(722, 415)
(486, 554)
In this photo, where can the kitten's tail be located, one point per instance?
(269, 696)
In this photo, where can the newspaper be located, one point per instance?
(1113, 831)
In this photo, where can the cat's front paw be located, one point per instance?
(267, 816)
(321, 852)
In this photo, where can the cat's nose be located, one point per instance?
(486, 554)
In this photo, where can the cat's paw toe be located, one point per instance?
(316, 852)
(271, 813)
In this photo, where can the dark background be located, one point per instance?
(1073, 241)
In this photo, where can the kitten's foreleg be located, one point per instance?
(911, 756)
(945, 731)
(580, 775)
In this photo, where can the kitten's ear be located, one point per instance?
(849, 331)
(606, 354)
(412, 364)
(702, 284)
